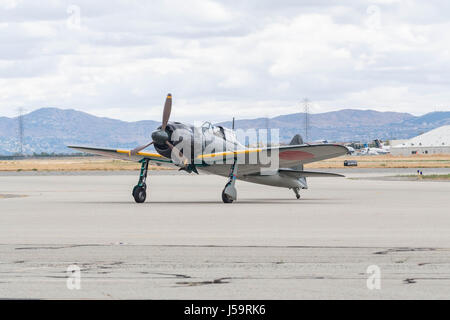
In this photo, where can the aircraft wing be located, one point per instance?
(124, 154)
(288, 157)
(219, 163)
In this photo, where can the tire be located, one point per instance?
(226, 198)
(139, 194)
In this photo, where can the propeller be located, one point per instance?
(160, 136)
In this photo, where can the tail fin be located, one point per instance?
(378, 143)
(296, 140)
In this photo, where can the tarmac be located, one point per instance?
(347, 238)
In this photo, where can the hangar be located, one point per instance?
(436, 141)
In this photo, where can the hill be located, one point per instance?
(52, 129)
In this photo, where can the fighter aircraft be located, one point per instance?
(189, 148)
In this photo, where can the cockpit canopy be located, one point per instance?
(207, 125)
(218, 131)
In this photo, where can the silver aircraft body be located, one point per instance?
(216, 149)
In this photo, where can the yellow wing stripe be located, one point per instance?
(145, 154)
(227, 153)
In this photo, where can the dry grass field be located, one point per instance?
(104, 164)
(71, 164)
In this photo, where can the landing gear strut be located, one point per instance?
(140, 190)
(229, 193)
(297, 192)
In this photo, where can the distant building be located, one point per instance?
(436, 141)
(395, 142)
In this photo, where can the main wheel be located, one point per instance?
(139, 194)
(226, 198)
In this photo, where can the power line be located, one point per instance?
(267, 124)
(21, 130)
(306, 113)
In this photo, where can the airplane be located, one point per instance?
(189, 148)
(379, 149)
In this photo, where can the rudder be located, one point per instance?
(296, 140)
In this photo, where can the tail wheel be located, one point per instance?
(297, 192)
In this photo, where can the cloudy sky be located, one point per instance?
(118, 58)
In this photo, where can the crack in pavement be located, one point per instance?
(202, 283)
(405, 249)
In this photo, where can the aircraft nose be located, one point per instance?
(160, 137)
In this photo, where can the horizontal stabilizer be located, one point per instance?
(301, 173)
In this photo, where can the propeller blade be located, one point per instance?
(178, 154)
(167, 110)
(140, 148)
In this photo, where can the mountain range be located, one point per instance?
(50, 130)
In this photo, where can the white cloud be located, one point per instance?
(9, 4)
(223, 59)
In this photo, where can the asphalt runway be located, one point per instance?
(185, 243)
